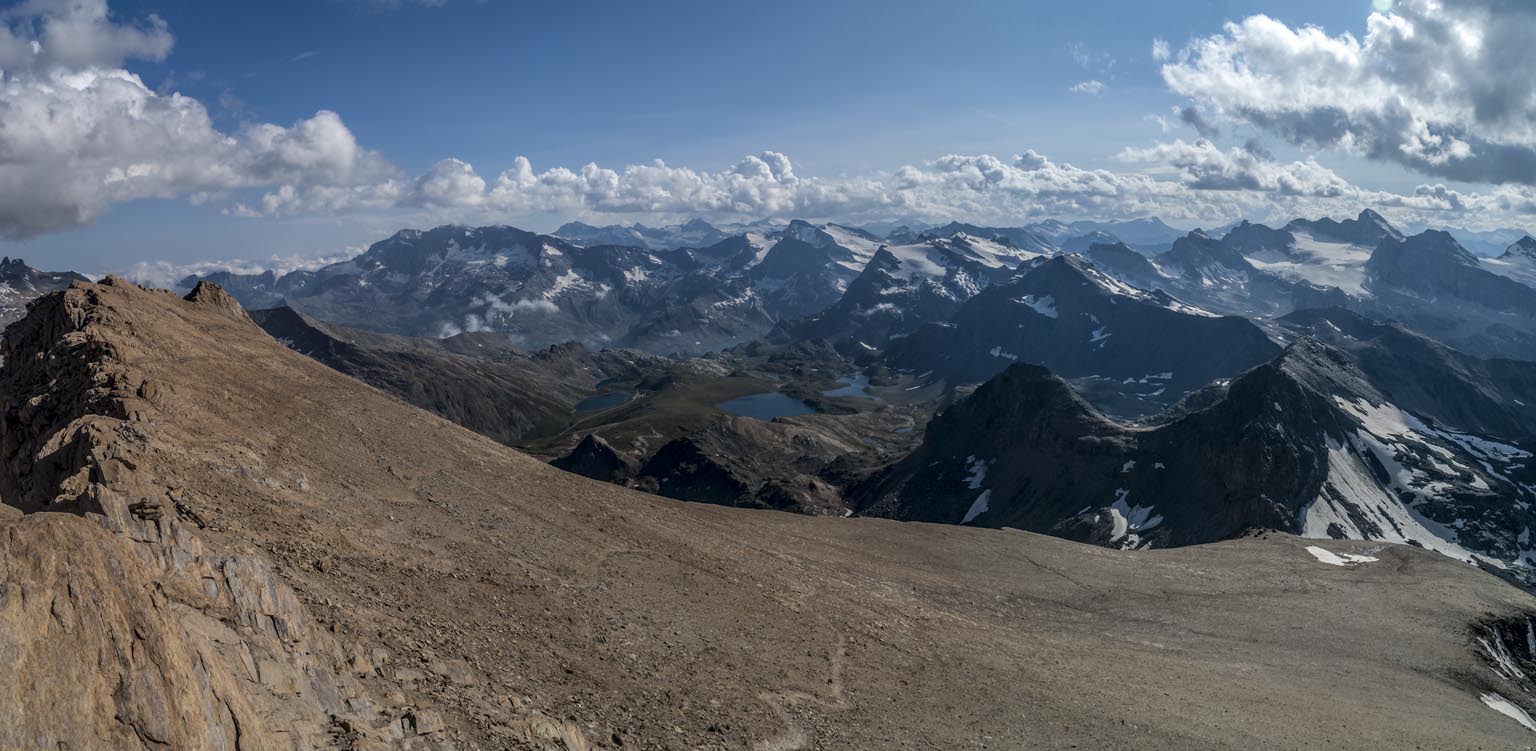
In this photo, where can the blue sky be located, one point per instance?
(841, 86)
(850, 92)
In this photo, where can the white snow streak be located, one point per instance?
(1339, 559)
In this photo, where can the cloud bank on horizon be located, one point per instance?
(1438, 87)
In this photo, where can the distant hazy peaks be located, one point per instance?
(1369, 229)
(695, 233)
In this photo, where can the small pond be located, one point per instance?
(766, 406)
(856, 386)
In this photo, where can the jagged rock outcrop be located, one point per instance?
(208, 293)
(594, 458)
(1307, 443)
(1146, 349)
(121, 629)
(904, 287)
(21, 284)
(1368, 229)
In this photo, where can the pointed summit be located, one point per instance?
(1368, 229)
(208, 293)
(1373, 228)
(1428, 245)
(595, 458)
(1525, 248)
(1369, 217)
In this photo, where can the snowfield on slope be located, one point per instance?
(1321, 262)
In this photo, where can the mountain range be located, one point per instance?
(222, 543)
(1144, 341)
(443, 319)
(1299, 359)
(1358, 430)
(243, 549)
(1067, 315)
(696, 233)
(1330, 399)
(711, 290)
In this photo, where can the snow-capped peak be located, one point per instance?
(1525, 247)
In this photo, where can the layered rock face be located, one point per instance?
(120, 628)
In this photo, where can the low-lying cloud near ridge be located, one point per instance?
(167, 275)
(1190, 182)
(79, 133)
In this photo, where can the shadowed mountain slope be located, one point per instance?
(1328, 441)
(475, 380)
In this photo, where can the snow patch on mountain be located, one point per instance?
(917, 261)
(861, 243)
(1116, 287)
(1394, 476)
(562, 283)
(1517, 263)
(1045, 305)
(760, 243)
(977, 469)
(1325, 263)
(978, 472)
(1509, 709)
(1129, 522)
(1345, 560)
(978, 507)
(1353, 505)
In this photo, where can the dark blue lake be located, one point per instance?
(766, 406)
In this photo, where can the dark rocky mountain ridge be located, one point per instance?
(1067, 315)
(21, 284)
(1307, 443)
(475, 380)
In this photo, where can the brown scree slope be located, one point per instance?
(260, 553)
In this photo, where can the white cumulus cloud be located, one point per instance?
(74, 35)
(1439, 86)
(79, 134)
(764, 184)
(1195, 182)
(1204, 166)
(450, 182)
(167, 275)
(1442, 87)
